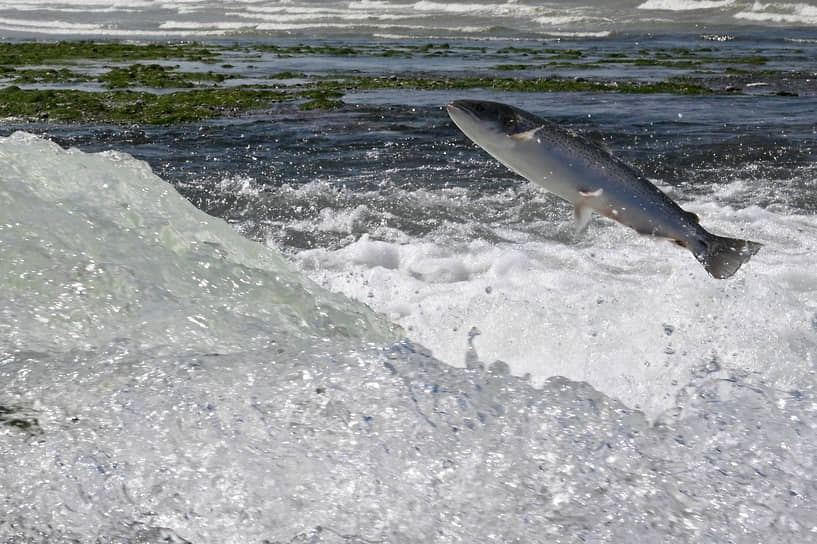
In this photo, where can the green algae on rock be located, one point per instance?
(550, 84)
(46, 75)
(157, 77)
(36, 53)
(131, 106)
(112, 82)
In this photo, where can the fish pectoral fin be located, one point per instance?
(592, 194)
(583, 215)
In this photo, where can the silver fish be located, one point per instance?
(590, 178)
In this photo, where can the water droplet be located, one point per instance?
(499, 367)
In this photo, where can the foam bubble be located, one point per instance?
(422, 18)
(216, 25)
(165, 380)
(556, 20)
(685, 5)
(51, 26)
(801, 14)
(510, 8)
(595, 309)
(99, 219)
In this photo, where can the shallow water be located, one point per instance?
(169, 376)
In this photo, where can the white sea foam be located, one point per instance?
(292, 9)
(51, 26)
(510, 8)
(75, 5)
(370, 26)
(597, 310)
(685, 5)
(314, 17)
(166, 380)
(216, 25)
(578, 34)
(801, 14)
(546, 33)
(479, 20)
(373, 5)
(556, 20)
(57, 10)
(63, 29)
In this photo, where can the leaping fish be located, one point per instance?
(590, 178)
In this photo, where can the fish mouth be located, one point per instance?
(460, 107)
(475, 120)
(457, 107)
(463, 112)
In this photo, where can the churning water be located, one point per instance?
(378, 334)
(165, 378)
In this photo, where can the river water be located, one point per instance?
(355, 326)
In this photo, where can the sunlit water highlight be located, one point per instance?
(169, 376)
(165, 379)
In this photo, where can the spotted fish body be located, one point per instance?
(592, 180)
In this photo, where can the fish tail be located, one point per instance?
(723, 256)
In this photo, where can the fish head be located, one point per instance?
(483, 121)
(519, 140)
